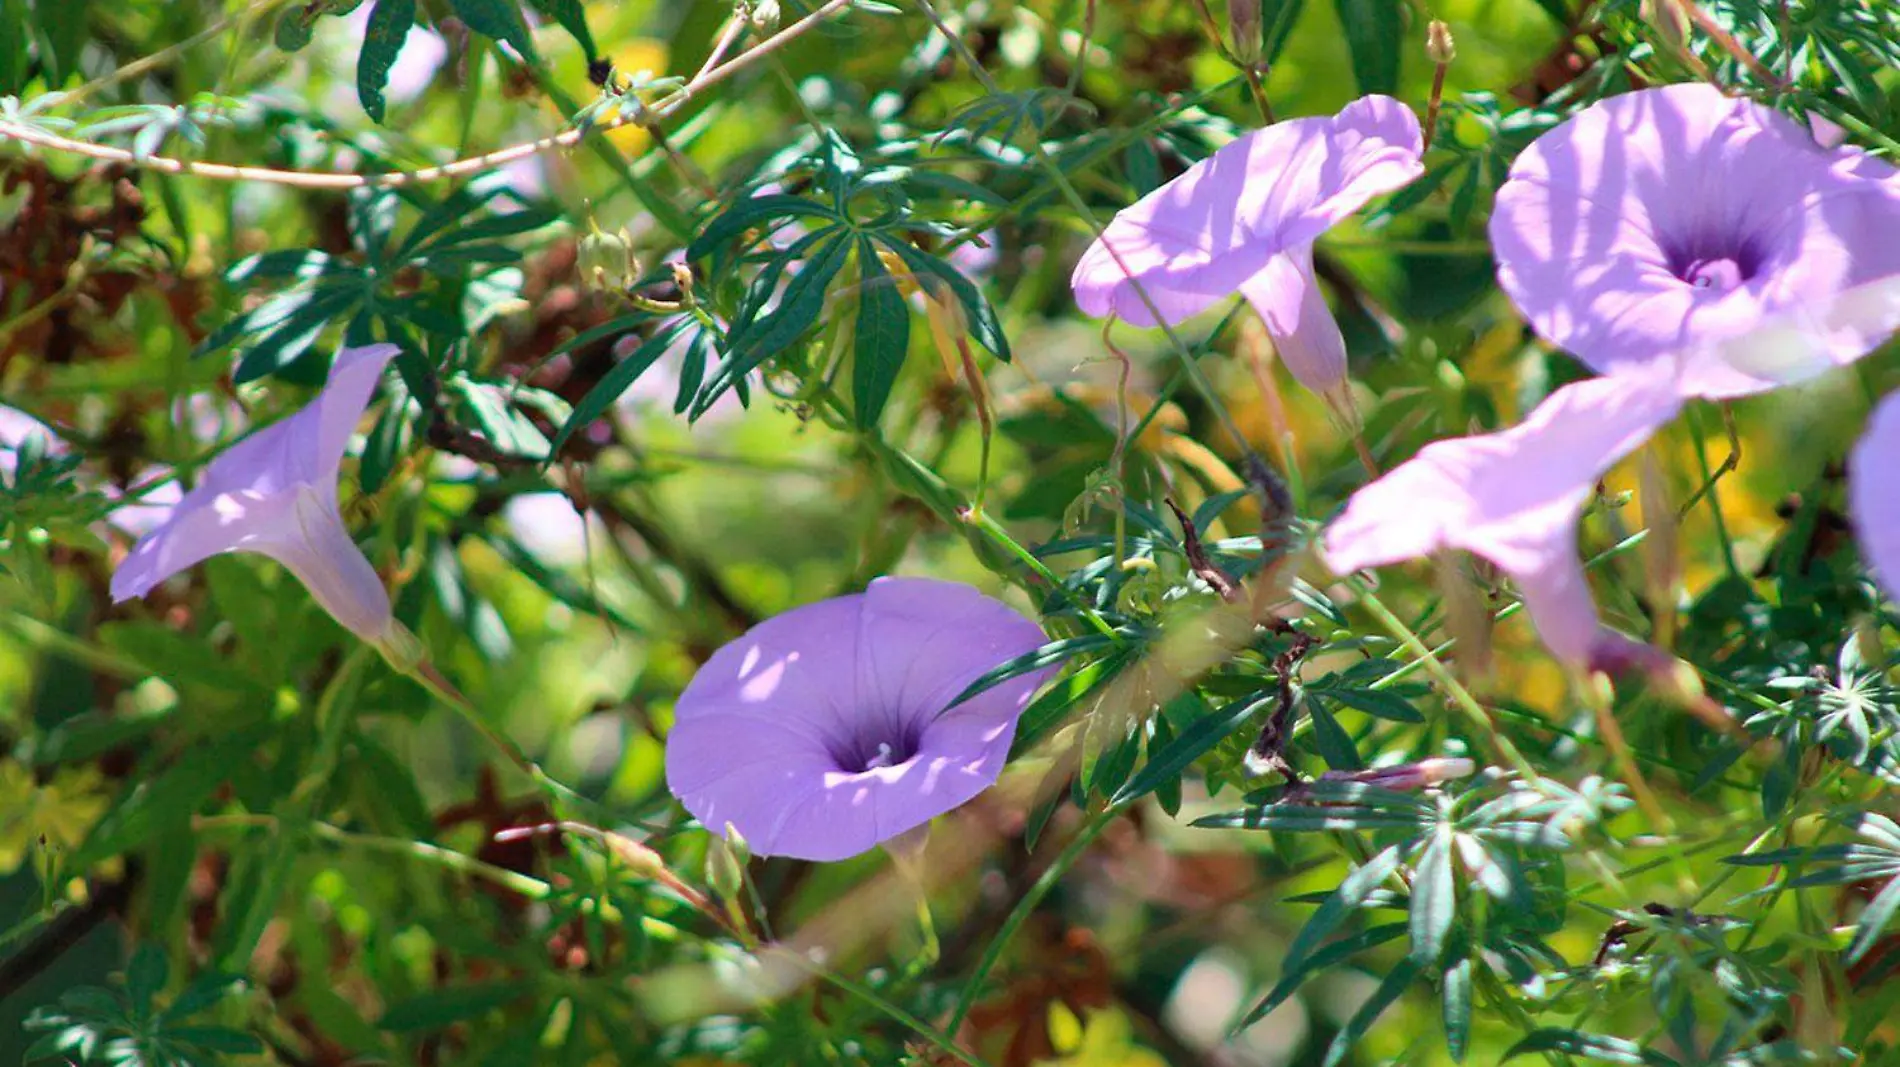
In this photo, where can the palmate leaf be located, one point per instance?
(759, 337)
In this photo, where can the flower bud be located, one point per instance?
(1668, 19)
(1439, 45)
(764, 15)
(1406, 777)
(1243, 22)
(606, 261)
(638, 859)
(725, 864)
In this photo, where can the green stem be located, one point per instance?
(1460, 696)
(1024, 908)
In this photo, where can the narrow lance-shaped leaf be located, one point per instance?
(1351, 893)
(1333, 953)
(883, 337)
(573, 19)
(804, 299)
(1873, 920)
(1389, 990)
(500, 19)
(1171, 761)
(1375, 31)
(615, 382)
(1434, 897)
(389, 24)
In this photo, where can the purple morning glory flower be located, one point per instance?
(824, 731)
(1671, 220)
(1514, 498)
(15, 427)
(274, 493)
(1245, 219)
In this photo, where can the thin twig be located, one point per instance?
(306, 179)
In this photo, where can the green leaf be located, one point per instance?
(1333, 953)
(507, 224)
(145, 975)
(299, 264)
(754, 213)
(571, 18)
(1456, 993)
(1334, 743)
(249, 901)
(1344, 900)
(1595, 1046)
(499, 19)
(217, 1039)
(1041, 659)
(984, 325)
(1167, 765)
(1168, 793)
(1874, 919)
(63, 26)
(1434, 898)
(1375, 702)
(283, 339)
(293, 30)
(180, 790)
(389, 24)
(803, 300)
(615, 382)
(15, 59)
(1375, 31)
(205, 990)
(388, 441)
(1277, 18)
(1389, 990)
(883, 337)
(438, 1008)
(1047, 710)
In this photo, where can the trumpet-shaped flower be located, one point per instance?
(274, 493)
(827, 729)
(1513, 498)
(1873, 493)
(1244, 220)
(1670, 220)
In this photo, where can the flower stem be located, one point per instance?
(426, 674)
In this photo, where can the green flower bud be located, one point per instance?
(606, 261)
(1243, 22)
